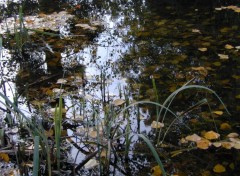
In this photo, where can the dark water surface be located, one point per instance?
(169, 40)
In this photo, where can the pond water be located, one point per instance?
(95, 52)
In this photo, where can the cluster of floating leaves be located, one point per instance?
(40, 22)
(210, 138)
(5, 3)
(231, 7)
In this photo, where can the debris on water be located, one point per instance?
(51, 22)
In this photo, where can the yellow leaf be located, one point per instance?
(232, 135)
(217, 144)
(218, 112)
(203, 144)
(193, 138)
(227, 46)
(225, 126)
(49, 132)
(238, 96)
(203, 71)
(211, 135)
(236, 146)
(156, 124)
(217, 64)
(4, 157)
(196, 31)
(227, 145)
(218, 8)
(202, 49)
(218, 168)
(156, 171)
(223, 56)
(237, 47)
(237, 10)
(232, 166)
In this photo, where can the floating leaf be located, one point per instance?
(225, 126)
(232, 135)
(183, 141)
(218, 112)
(236, 146)
(238, 96)
(217, 64)
(193, 138)
(235, 140)
(86, 26)
(203, 144)
(237, 47)
(49, 133)
(196, 31)
(61, 81)
(211, 135)
(56, 90)
(227, 46)
(4, 157)
(91, 163)
(227, 145)
(118, 102)
(219, 168)
(232, 166)
(217, 144)
(156, 124)
(223, 56)
(218, 8)
(156, 171)
(93, 134)
(203, 71)
(202, 49)
(103, 153)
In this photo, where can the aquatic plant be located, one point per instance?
(32, 127)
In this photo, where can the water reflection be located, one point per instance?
(169, 41)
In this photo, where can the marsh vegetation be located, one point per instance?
(119, 88)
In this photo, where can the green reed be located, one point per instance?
(36, 156)
(30, 125)
(57, 128)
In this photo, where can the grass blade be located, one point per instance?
(36, 156)
(154, 152)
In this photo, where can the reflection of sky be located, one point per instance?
(108, 49)
(7, 74)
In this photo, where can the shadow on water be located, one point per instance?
(171, 42)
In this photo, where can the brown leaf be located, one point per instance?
(4, 157)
